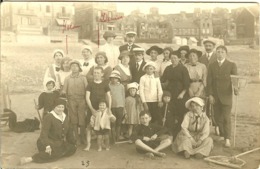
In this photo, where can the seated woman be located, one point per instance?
(101, 61)
(194, 138)
(56, 139)
(198, 74)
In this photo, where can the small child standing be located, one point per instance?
(169, 119)
(154, 51)
(118, 102)
(151, 92)
(101, 123)
(47, 97)
(133, 107)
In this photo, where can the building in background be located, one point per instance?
(96, 18)
(37, 21)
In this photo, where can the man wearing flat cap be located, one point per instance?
(209, 56)
(111, 50)
(130, 39)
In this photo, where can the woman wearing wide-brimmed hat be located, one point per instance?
(193, 139)
(183, 53)
(153, 52)
(124, 68)
(198, 74)
(112, 51)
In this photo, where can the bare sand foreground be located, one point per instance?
(14, 145)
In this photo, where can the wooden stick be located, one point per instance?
(247, 152)
(164, 117)
(37, 110)
(235, 124)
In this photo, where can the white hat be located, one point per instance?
(210, 40)
(58, 51)
(132, 85)
(149, 64)
(138, 50)
(131, 33)
(115, 73)
(87, 47)
(197, 100)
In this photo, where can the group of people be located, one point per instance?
(152, 103)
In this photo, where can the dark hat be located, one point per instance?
(124, 53)
(76, 62)
(109, 34)
(59, 101)
(169, 49)
(130, 33)
(199, 53)
(209, 41)
(156, 48)
(175, 52)
(166, 93)
(102, 53)
(186, 48)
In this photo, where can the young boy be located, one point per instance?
(151, 92)
(136, 67)
(101, 123)
(96, 91)
(75, 88)
(169, 119)
(147, 137)
(47, 97)
(118, 102)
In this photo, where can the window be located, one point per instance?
(48, 9)
(99, 14)
(203, 31)
(207, 31)
(109, 14)
(63, 10)
(208, 25)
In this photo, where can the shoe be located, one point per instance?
(227, 144)
(107, 149)
(130, 142)
(99, 149)
(25, 160)
(198, 156)
(186, 154)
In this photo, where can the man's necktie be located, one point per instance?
(57, 69)
(208, 56)
(129, 47)
(196, 123)
(137, 66)
(85, 64)
(219, 64)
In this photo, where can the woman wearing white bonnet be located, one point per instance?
(193, 139)
(88, 61)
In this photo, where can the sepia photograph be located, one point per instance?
(122, 84)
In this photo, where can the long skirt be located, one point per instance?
(184, 143)
(65, 150)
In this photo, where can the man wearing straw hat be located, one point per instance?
(219, 88)
(210, 56)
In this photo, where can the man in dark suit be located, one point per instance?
(130, 39)
(210, 56)
(219, 88)
(136, 67)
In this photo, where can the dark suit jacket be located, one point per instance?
(203, 59)
(137, 74)
(219, 81)
(125, 47)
